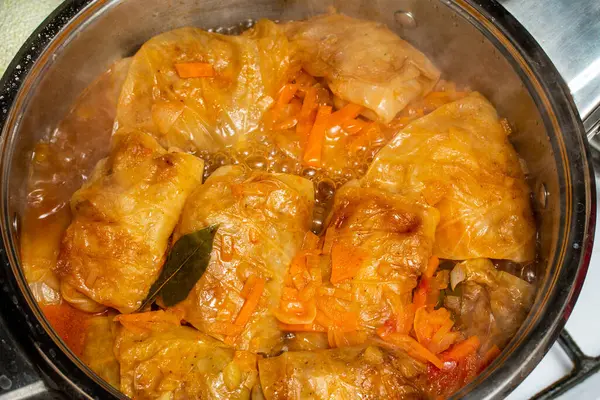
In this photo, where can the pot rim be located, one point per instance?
(517, 360)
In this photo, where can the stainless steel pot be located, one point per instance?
(480, 45)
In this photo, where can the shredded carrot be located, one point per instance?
(194, 70)
(314, 146)
(369, 135)
(250, 282)
(420, 295)
(432, 266)
(346, 261)
(301, 327)
(490, 356)
(251, 302)
(306, 117)
(286, 94)
(413, 348)
(310, 242)
(354, 126)
(461, 350)
(347, 113)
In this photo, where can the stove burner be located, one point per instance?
(584, 367)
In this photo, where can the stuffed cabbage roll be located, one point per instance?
(489, 303)
(376, 247)
(236, 80)
(363, 62)
(122, 220)
(459, 160)
(98, 354)
(262, 221)
(349, 373)
(59, 166)
(160, 359)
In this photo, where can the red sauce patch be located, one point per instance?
(69, 323)
(454, 375)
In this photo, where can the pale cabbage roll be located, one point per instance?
(382, 242)
(459, 159)
(262, 221)
(98, 348)
(59, 166)
(348, 373)
(160, 359)
(489, 303)
(205, 113)
(363, 62)
(123, 217)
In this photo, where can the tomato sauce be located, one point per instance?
(69, 323)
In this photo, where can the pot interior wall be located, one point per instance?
(448, 33)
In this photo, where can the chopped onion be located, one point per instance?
(457, 276)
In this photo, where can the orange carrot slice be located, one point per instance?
(305, 120)
(349, 112)
(346, 261)
(194, 70)
(314, 146)
(432, 266)
(354, 126)
(251, 302)
(462, 350)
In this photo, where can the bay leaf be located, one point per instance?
(185, 264)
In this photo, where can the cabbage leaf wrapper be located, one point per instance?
(59, 166)
(161, 359)
(262, 221)
(347, 373)
(376, 246)
(115, 246)
(211, 112)
(490, 303)
(98, 354)
(459, 159)
(363, 62)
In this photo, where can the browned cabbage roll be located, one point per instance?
(363, 62)
(262, 221)
(59, 167)
(98, 347)
(489, 303)
(210, 112)
(122, 220)
(160, 359)
(376, 246)
(348, 373)
(459, 160)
